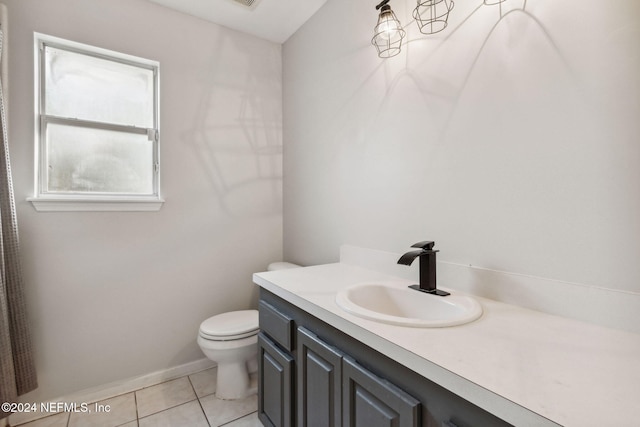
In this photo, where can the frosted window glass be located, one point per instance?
(98, 161)
(90, 88)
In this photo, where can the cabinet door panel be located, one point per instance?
(275, 369)
(370, 411)
(370, 401)
(319, 375)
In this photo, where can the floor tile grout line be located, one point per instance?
(138, 417)
(174, 406)
(198, 399)
(135, 400)
(170, 407)
(236, 419)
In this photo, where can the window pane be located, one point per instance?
(85, 87)
(98, 161)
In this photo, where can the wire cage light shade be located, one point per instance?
(388, 33)
(432, 15)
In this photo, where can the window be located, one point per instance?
(96, 128)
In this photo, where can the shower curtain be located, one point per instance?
(17, 368)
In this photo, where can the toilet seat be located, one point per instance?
(233, 325)
(210, 337)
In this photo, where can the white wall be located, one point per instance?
(116, 295)
(512, 138)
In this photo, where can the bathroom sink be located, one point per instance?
(399, 305)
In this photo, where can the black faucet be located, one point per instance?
(427, 267)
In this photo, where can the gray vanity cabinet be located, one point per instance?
(319, 385)
(275, 384)
(313, 375)
(370, 401)
(276, 368)
(334, 390)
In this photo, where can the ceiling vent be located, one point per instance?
(250, 4)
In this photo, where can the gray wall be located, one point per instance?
(116, 295)
(512, 138)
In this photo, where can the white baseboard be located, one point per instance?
(601, 306)
(96, 394)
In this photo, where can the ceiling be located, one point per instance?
(274, 20)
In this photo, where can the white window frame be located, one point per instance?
(76, 201)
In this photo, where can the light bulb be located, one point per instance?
(387, 25)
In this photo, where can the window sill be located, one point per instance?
(116, 204)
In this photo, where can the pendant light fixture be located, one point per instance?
(388, 33)
(432, 15)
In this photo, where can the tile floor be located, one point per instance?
(188, 401)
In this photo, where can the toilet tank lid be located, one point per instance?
(281, 266)
(231, 323)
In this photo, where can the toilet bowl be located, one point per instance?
(230, 339)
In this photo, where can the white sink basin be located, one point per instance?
(399, 305)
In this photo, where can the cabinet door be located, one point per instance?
(370, 401)
(319, 382)
(275, 384)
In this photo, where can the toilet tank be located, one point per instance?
(281, 266)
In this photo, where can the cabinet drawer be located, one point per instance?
(277, 325)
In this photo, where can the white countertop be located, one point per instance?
(526, 367)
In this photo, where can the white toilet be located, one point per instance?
(230, 339)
